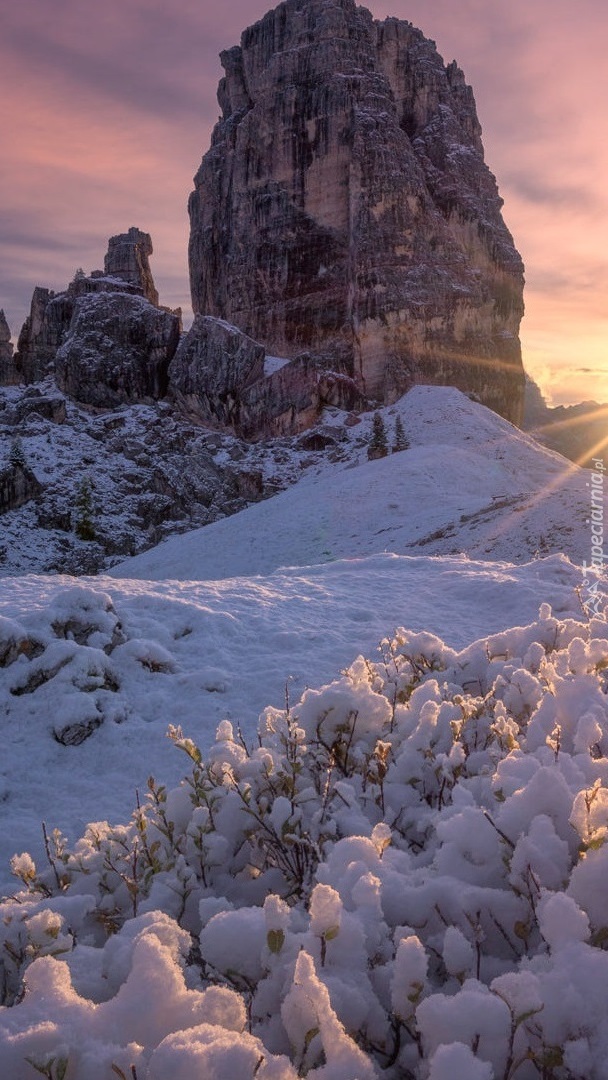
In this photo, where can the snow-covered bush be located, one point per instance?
(406, 877)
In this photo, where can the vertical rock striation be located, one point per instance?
(18, 485)
(344, 209)
(116, 350)
(42, 333)
(8, 372)
(127, 259)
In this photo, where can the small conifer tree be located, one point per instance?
(400, 439)
(378, 446)
(83, 516)
(17, 454)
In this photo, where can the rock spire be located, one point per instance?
(8, 372)
(344, 209)
(105, 338)
(127, 259)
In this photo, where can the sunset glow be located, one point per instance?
(107, 111)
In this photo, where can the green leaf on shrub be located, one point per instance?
(275, 940)
(521, 1019)
(596, 843)
(552, 1057)
(309, 1037)
(46, 1068)
(331, 933)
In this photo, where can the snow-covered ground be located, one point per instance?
(471, 531)
(227, 649)
(288, 592)
(404, 878)
(470, 482)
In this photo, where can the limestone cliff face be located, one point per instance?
(17, 486)
(117, 350)
(8, 372)
(222, 378)
(344, 209)
(127, 259)
(42, 333)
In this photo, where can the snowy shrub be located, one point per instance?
(405, 877)
(86, 616)
(15, 642)
(74, 673)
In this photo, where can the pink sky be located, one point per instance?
(108, 107)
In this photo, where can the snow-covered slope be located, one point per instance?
(221, 650)
(236, 627)
(470, 482)
(152, 475)
(439, 794)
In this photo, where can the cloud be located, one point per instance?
(542, 190)
(103, 53)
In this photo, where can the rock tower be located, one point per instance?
(344, 209)
(128, 259)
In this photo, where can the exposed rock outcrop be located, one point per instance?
(212, 367)
(344, 209)
(291, 399)
(221, 377)
(117, 350)
(49, 321)
(127, 259)
(105, 334)
(33, 402)
(8, 371)
(149, 471)
(17, 486)
(42, 333)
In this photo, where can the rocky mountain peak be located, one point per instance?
(127, 258)
(344, 209)
(104, 337)
(5, 333)
(7, 367)
(346, 244)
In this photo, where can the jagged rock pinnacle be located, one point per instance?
(344, 208)
(8, 373)
(127, 259)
